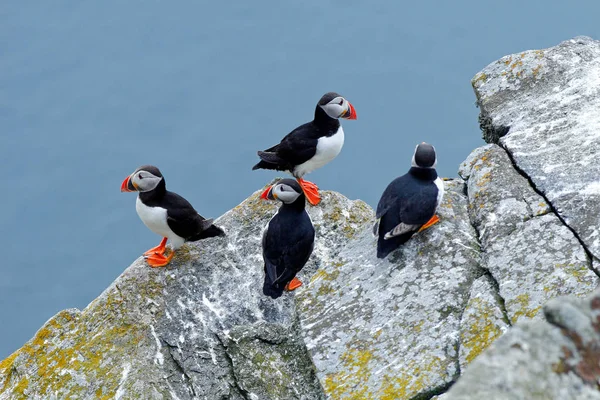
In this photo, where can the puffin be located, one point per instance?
(409, 202)
(166, 213)
(288, 240)
(311, 145)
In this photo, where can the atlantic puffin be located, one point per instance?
(288, 239)
(311, 145)
(408, 204)
(166, 214)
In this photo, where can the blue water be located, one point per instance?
(91, 90)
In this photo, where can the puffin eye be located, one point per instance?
(140, 176)
(341, 102)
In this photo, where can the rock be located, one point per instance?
(199, 328)
(554, 359)
(530, 254)
(542, 107)
(389, 329)
(533, 199)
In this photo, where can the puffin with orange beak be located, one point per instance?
(288, 240)
(312, 145)
(166, 213)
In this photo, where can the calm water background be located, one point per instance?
(91, 90)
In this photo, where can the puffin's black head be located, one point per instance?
(335, 106)
(424, 156)
(286, 190)
(143, 179)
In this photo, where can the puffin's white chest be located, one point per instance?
(327, 149)
(440, 185)
(155, 218)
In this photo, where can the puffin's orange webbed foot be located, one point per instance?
(160, 249)
(434, 220)
(311, 191)
(293, 285)
(159, 260)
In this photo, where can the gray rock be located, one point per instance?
(529, 252)
(542, 106)
(390, 329)
(199, 328)
(558, 359)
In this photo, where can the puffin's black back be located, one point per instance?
(287, 245)
(300, 145)
(410, 199)
(182, 218)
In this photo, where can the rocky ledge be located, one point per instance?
(518, 230)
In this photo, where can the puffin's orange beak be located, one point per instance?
(126, 186)
(350, 113)
(268, 194)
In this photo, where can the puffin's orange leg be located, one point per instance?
(311, 191)
(434, 220)
(293, 285)
(160, 249)
(159, 260)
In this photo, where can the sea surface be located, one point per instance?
(91, 90)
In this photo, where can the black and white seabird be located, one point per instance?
(288, 239)
(312, 145)
(409, 202)
(166, 214)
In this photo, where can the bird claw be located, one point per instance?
(158, 260)
(293, 285)
(434, 220)
(311, 191)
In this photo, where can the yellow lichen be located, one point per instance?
(579, 272)
(87, 343)
(482, 332)
(479, 78)
(521, 302)
(8, 362)
(412, 379)
(351, 381)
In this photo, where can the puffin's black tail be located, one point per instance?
(264, 165)
(386, 246)
(269, 289)
(273, 291)
(269, 160)
(209, 232)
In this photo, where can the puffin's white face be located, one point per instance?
(284, 193)
(144, 181)
(339, 107)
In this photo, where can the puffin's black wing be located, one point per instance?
(185, 221)
(297, 147)
(415, 200)
(406, 201)
(390, 196)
